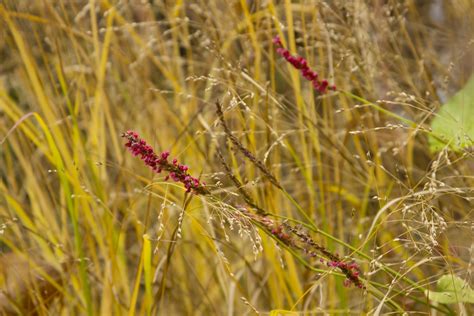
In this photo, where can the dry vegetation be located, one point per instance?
(87, 229)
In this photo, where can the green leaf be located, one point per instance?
(451, 289)
(454, 122)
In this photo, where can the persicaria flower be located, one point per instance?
(301, 64)
(286, 233)
(277, 41)
(352, 271)
(158, 163)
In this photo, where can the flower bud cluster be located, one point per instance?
(352, 271)
(298, 239)
(301, 64)
(158, 163)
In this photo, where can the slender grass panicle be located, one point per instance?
(298, 239)
(310, 247)
(178, 172)
(300, 63)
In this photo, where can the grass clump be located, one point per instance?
(303, 180)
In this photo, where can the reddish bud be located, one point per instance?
(301, 63)
(277, 40)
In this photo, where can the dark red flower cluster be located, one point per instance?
(158, 163)
(301, 64)
(352, 271)
(284, 237)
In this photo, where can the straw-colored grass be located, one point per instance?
(87, 229)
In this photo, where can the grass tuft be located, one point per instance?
(296, 197)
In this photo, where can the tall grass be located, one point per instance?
(88, 229)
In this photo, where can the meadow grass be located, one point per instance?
(302, 187)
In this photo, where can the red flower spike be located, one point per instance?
(301, 64)
(158, 163)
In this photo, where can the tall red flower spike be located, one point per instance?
(159, 163)
(301, 64)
